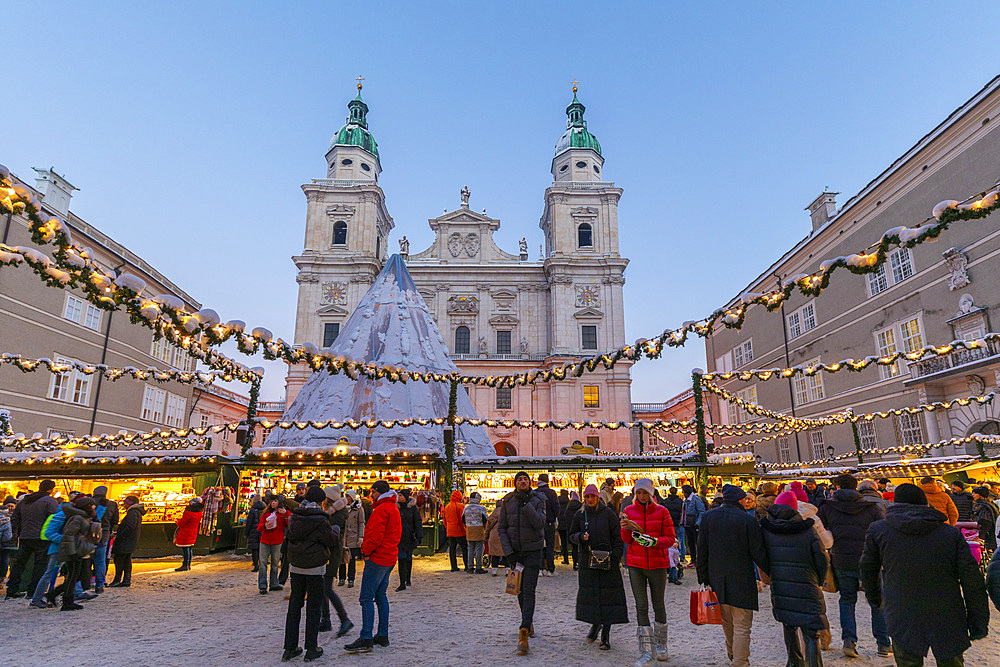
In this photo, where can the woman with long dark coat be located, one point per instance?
(600, 598)
(798, 568)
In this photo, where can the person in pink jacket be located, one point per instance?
(648, 533)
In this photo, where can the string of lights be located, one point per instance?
(109, 372)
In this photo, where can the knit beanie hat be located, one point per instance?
(405, 493)
(982, 491)
(46, 485)
(83, 503)
(732, 493)
(521, 474)
(314, 482)
(591, 490)
(100, 490)
(910, 494)
(960, 484)
(330, 492)
(381, 486)
(315, 494)
(800, 492)
(787, 498)
(644, 484)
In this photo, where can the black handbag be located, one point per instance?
(599, 559)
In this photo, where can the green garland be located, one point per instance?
(5, 427)
(110, 373)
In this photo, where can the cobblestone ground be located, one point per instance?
(214, 614)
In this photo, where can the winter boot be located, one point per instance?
(592, 635)
(313, 654)
(647, 647)
(522, 642)
(531, 630)
(360, 646)
(660, 633)
(290, 653)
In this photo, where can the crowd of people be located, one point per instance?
(797, 540)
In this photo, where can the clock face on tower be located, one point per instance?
(334, 292)
(587, 295)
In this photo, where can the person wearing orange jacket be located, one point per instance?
(380, 549)
(456, 531)
(939, 500)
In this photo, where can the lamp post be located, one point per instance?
(760, 462)
(830, 451)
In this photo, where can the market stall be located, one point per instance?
(163, 480)
(279, 470)
(493, 478)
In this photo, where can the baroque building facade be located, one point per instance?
(930, 294)
(499, 312)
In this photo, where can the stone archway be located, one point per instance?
(504, 448)
(989, 427)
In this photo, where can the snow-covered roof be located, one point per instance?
(341, 450)
(63, 456)
(391, 325)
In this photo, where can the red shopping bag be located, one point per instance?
(705, 608)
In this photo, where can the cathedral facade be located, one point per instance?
(499, 312)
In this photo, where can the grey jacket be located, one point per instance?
(522, 522)
(354, 528)
(30, 514)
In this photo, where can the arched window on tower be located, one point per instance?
(462, 340)
(340, 233)
(585, 236)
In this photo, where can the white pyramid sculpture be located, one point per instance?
(392, 325)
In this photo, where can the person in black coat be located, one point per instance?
(411, 536)
(335, 506)
(729, 544)
(964, 501)
(572, 508)
(847, 515)
(921, 571)
(126, 540)
(251, 532)
(984, 513)
(310, 537)
(563, 527)
(798, 566)
(600, 598)
(551, 514)
(993, 579)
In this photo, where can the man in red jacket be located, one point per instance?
(380, 549)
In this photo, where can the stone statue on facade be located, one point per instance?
(465, 196)
(524, 345)
(404, 246)
(523, 246)
(482, 345)
(958, 265)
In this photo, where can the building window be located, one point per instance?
(818, 449)
(908, 429)
(73, 309)
(906, 336)
(585, 236)
(784, 451)
(743, 353)
(901, 267)
(204, 420)
(866, 432)
(738, 414)
(72, 386)
(801, 321)
(589, 333)
(340, 233)
(462, 345)
(330, 332)
(152, 404)
(591, 396)
(503, 342)
(378, 247)
(92, 320)
(503, 398)
(175, 410)
(808, 389)
(594, 441)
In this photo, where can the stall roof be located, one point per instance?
(63, 456)
(592, 460)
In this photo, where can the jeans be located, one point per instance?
(269, 553)
(187, 553)
(691, 533)
(6, 555)
(44, 583)
(904, 659)
(307, 589)
(679, 532)
(736, 624)
(532, 562)
(657, 583)
(476, 554)
(564, 541)
(405, 558)
(550, 547)
(848, 583)
(70, 582)
(28, 549)
(348, 567)
(101, 563)
(331, 598)
(453, 544)
(123, 568)
(374, 582)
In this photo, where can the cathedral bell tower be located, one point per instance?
(346, 239)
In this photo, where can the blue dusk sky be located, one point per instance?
(189, 128)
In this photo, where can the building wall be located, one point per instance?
(680, 407)
(957, 159)
(213, 406)
(32, 324)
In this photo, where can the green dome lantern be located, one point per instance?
(576, 135)
(355, 131)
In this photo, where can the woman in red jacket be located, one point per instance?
(187, 531)
(271, 527)
(649, 534)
